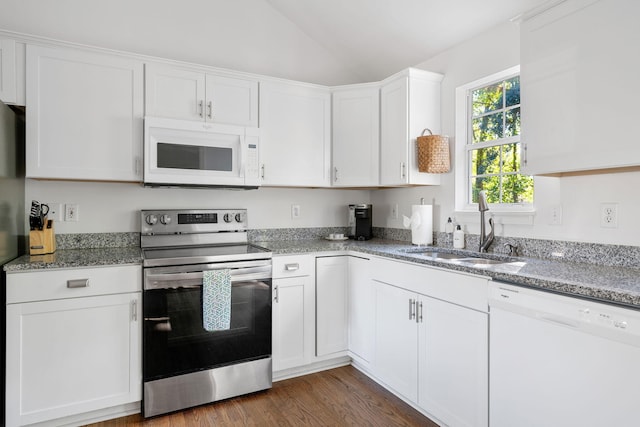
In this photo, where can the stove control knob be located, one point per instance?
(165, 219)
(151, 219)
(239, 217)
(228, 217)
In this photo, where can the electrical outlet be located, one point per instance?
(394, 211)
(295, 211)
(555, 215)
(71, 212)
(609, 215)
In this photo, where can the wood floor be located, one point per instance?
(338, 397)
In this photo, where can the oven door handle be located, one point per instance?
(194, 279)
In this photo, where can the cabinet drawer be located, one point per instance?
(293, 266)
(72, 283)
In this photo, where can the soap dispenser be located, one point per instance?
(458, 238)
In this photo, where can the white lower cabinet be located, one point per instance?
(331, 305)
(361, 311)
(76, 351)
(431, 340)
(396, 339)
(453, 363)
(293, 311)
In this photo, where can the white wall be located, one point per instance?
(113, 207)
(243, 35)
(580, 197)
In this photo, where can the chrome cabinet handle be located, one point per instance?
(134, 310)
(78, 283)
(419, 310)
(262, 171)
(403, 170)
(276, 297)
(412, 309)
(335, 174)
(524, 154)
(292, 267)
(201, 108)
(210, 109)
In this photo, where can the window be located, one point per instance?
(492, 141)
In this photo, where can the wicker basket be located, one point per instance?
(433, 153)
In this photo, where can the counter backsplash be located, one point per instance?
(591, 253)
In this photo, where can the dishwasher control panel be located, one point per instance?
(589, 316)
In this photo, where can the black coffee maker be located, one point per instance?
(361, 221)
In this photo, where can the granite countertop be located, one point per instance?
(75, 258)
(620, 285)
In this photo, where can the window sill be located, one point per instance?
(500, 217)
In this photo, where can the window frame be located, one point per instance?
(463, 126)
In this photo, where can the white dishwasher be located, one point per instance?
(561, 361)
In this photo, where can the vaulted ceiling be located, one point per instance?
(377, 38)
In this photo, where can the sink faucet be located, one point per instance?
(483, 206)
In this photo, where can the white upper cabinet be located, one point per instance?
(356, 136)
(8, 89)
(409, 103)
(84, 115)
(188, 94)
(295, 134)
(580, 87)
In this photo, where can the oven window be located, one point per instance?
(177, 156)
(175, 341)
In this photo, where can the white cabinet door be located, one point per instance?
(231, 101)
(361, 300)
(331, 305)
(71, 356)
(579, 86)
(453, 363)
(409, 103)
(295, 134)
(396, 340)
(394, 149)
(293, 322)
(8, 89)
(174, 93)
(84, 115)
(356, 137)
(189, 94)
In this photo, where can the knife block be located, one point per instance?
(42, 241)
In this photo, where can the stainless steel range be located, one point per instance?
(186, 361)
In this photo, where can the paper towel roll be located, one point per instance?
(422, 224)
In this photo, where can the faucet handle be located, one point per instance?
(513, 249)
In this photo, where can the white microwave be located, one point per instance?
(188, 153)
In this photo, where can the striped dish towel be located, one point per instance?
(216, 300)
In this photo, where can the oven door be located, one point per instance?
(175, 341)
(186, 153)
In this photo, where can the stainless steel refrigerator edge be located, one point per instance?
(12, 210)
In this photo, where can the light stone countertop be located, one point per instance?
(619, 285)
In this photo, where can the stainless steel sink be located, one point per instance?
(482, 261)
(443, 255)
